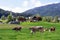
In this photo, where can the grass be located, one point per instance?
(7, 34)
(45, 24)
(8, 26)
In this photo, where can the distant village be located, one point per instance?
(16, 20)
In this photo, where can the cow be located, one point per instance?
(52, 29)
(17, 28)
(36, 28)
(33, 30)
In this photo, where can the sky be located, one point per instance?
(23, 5)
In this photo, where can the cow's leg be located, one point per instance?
(44, 29)
(49, 30)
(32, 32)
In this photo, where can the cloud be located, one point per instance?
(5, 8)
(38, 3)
(50, 3)
(15, 9)
(25, 6)
(19, 9)
(25, 3)
(35, 3)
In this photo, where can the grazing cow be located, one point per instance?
(33, 30)
(17, 28)
(52, 29)
(36, 28)
(41, 29)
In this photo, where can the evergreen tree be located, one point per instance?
(56, 18)
(44, 19)
(10, 17)
(3, 17)
(49, 18)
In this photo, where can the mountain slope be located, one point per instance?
(48, 10)
(6, 13)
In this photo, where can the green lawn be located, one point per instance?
(7, 34)
(8, 26)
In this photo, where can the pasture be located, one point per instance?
(6, 32)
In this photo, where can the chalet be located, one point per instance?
(21, 19)
(35, 18)
(59, 19)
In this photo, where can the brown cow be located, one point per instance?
(33, 30)
(17, 28)
(36, 28)
(52, 29)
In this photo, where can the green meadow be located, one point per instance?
(6, 32)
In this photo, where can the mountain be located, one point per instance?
(48, 10)
(6, 13)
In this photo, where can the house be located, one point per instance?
(35, 18)
(59, 19)
(21, 19)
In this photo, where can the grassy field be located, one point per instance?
(7, 34)
(8, 26)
